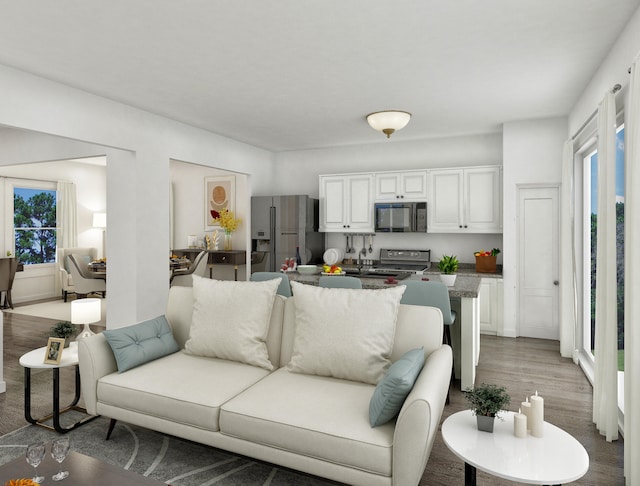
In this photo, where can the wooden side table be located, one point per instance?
(556, 458)
(35, 360)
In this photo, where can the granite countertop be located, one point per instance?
(467, 285)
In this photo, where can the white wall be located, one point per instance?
(298, 171)
(138, 146)
(532, 154)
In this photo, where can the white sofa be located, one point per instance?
(316, 424)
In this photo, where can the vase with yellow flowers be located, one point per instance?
(229, 223)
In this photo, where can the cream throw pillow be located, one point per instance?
(344, 333)
(230, 320)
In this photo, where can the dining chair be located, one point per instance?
(432, 294)
(8, 268)
(84, 281)
(339, 282)
(284, 288)
(258, 261)
(183, 277)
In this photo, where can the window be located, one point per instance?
(34, 224)
(590, 225)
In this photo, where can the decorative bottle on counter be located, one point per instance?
(298, 259)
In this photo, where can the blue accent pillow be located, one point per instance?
(393, 389)
(141, 343)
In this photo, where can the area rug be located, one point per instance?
(166, 458)
(55, 309)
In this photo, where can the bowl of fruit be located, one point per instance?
(332, 270)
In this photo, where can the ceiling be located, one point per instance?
(301, 74)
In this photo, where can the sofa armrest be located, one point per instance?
(96, 360)
(419, 418)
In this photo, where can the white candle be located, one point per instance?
(520, 424)
(525, 407)
(537, 415)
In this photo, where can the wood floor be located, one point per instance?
(523, 365)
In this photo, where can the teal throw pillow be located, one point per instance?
(393, 389)
(141, 343)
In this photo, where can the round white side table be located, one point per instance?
(35, 360)
(556, 458)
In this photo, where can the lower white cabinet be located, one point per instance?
(491, 305)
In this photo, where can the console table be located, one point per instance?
(217, 257)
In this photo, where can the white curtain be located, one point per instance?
(568, 304)
(605, 388)
(632, 281)
(67, 215)
(67, 220)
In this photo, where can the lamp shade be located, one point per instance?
(388, 121)
(99, 220)
(85, 311)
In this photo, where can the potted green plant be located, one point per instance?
(448, 265)
(487, 400)
(63, 329)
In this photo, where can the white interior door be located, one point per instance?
(538, 226)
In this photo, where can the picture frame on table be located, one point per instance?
(219, 194)
(53, 353)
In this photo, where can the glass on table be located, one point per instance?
(35, 455)
(59, 451)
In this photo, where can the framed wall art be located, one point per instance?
(219, 194)
(53, 354)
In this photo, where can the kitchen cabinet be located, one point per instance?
(346, 203)
(465, 200)
(401, 186)
(491, 303)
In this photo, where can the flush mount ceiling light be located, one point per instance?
(388, 121)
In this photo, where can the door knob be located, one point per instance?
(555, 282)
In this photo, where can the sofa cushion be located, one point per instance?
(344, 333)
(168, 388)
(140, 343)
(231, 320)
(394, 388)
(320, 417)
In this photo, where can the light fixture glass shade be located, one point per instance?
(388, 121)
(99, 220)
(85, 311)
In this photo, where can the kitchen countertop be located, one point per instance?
(467, 285)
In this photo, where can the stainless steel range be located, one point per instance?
(395, 261)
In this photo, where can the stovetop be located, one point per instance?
(403, 261)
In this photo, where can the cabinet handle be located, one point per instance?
(555, 282)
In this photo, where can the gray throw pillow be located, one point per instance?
(393, 389)
(141, 343)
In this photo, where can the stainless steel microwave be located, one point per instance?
(407, 217)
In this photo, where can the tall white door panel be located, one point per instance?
(538, 247)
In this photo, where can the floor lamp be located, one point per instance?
(85, 311)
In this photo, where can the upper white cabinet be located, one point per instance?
(346, 203)
(465, 200)
(401, 186)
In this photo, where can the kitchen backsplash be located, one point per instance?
(463, 246)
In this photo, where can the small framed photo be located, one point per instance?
(53, 353)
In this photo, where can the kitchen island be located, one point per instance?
(465, 301)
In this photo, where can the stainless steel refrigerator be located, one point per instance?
(279, 224)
